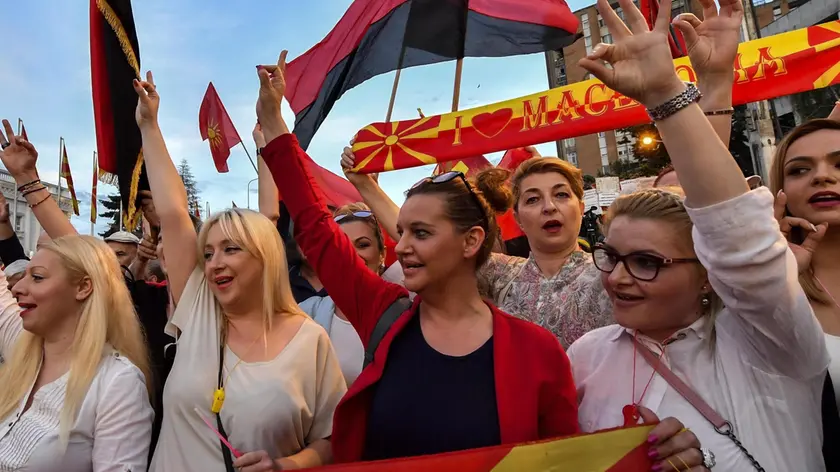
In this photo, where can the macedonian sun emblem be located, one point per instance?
(387, 143)
(214, 135)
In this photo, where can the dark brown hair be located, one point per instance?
(348, 210)
(777, 179)
(461, 208)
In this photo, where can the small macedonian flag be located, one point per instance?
(616, 450)
(215, 125)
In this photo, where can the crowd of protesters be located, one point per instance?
(710, 304)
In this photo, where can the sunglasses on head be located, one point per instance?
(448, 177)
(640, 265)
(356, 214)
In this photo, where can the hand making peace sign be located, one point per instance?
(18, 155)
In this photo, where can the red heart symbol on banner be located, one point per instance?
(490, 125)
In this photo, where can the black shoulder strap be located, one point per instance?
(383, 325)
(225, 452)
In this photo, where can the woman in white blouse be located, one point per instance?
(248, 358)
(74, 390)
(759, 363)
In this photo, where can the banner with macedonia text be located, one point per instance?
(779, 65)
(617, 450)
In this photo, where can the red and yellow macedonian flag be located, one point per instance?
(617, 450)
(783, 64)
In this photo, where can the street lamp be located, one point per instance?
(249, 191)
(649, 140)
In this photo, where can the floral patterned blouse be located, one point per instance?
(570, 304)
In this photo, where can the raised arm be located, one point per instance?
(269, 197)
(380, 203)
(10, 248)
(19, 156)
(360, 294)
(642, 69)
(712, 45)
(167, 189)
(10, 322)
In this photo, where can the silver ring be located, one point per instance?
(708, 458)
(5, 145)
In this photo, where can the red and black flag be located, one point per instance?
(114, 63)
(379, 36)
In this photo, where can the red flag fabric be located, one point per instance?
(514, 157)
(65, 173)
(215, 125)
(469, 166)
(379, 36)
(650, 10)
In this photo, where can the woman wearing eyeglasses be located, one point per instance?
(713, 326)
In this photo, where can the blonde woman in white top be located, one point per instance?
(74, 390)
(760, 361)
(238, 331)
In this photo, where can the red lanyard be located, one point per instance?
(631, 411)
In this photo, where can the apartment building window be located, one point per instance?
(602, 146)
(677, 7)
(606, 39)
(620, 13)
(587, 34)
(777, 12)
(601, 23)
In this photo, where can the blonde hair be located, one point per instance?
(257, 236)
(662, 204)
(807, 280)
(107, 318)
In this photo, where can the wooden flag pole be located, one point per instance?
(60, 167)
(456, 93)
(249, 157)
(393, 96)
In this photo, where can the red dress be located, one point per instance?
(535, 392)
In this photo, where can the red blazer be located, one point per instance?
(535, 392)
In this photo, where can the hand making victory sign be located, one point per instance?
(18, 155)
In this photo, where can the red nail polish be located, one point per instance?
(652, 439)
(653, 453)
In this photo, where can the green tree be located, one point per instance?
(588, 182)
(111, 205)
(190, 185)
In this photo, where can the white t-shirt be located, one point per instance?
(348, 346)
(279, 406)
(833, 345)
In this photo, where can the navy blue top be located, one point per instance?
(429, 403)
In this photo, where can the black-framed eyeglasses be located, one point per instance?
(640, 265)
(362, 214)
(448, 177)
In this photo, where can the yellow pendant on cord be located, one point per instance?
(218, 400)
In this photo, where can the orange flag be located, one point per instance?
(215, 125)
(65, 173)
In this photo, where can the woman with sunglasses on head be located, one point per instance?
(713, 326)
(451, 372)
(248, 357)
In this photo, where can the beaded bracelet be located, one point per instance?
(726, 111)
(33, 205)
(27, 185)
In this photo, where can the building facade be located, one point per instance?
(23, 221)
(594, 153)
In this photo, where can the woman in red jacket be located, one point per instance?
(452, 372)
